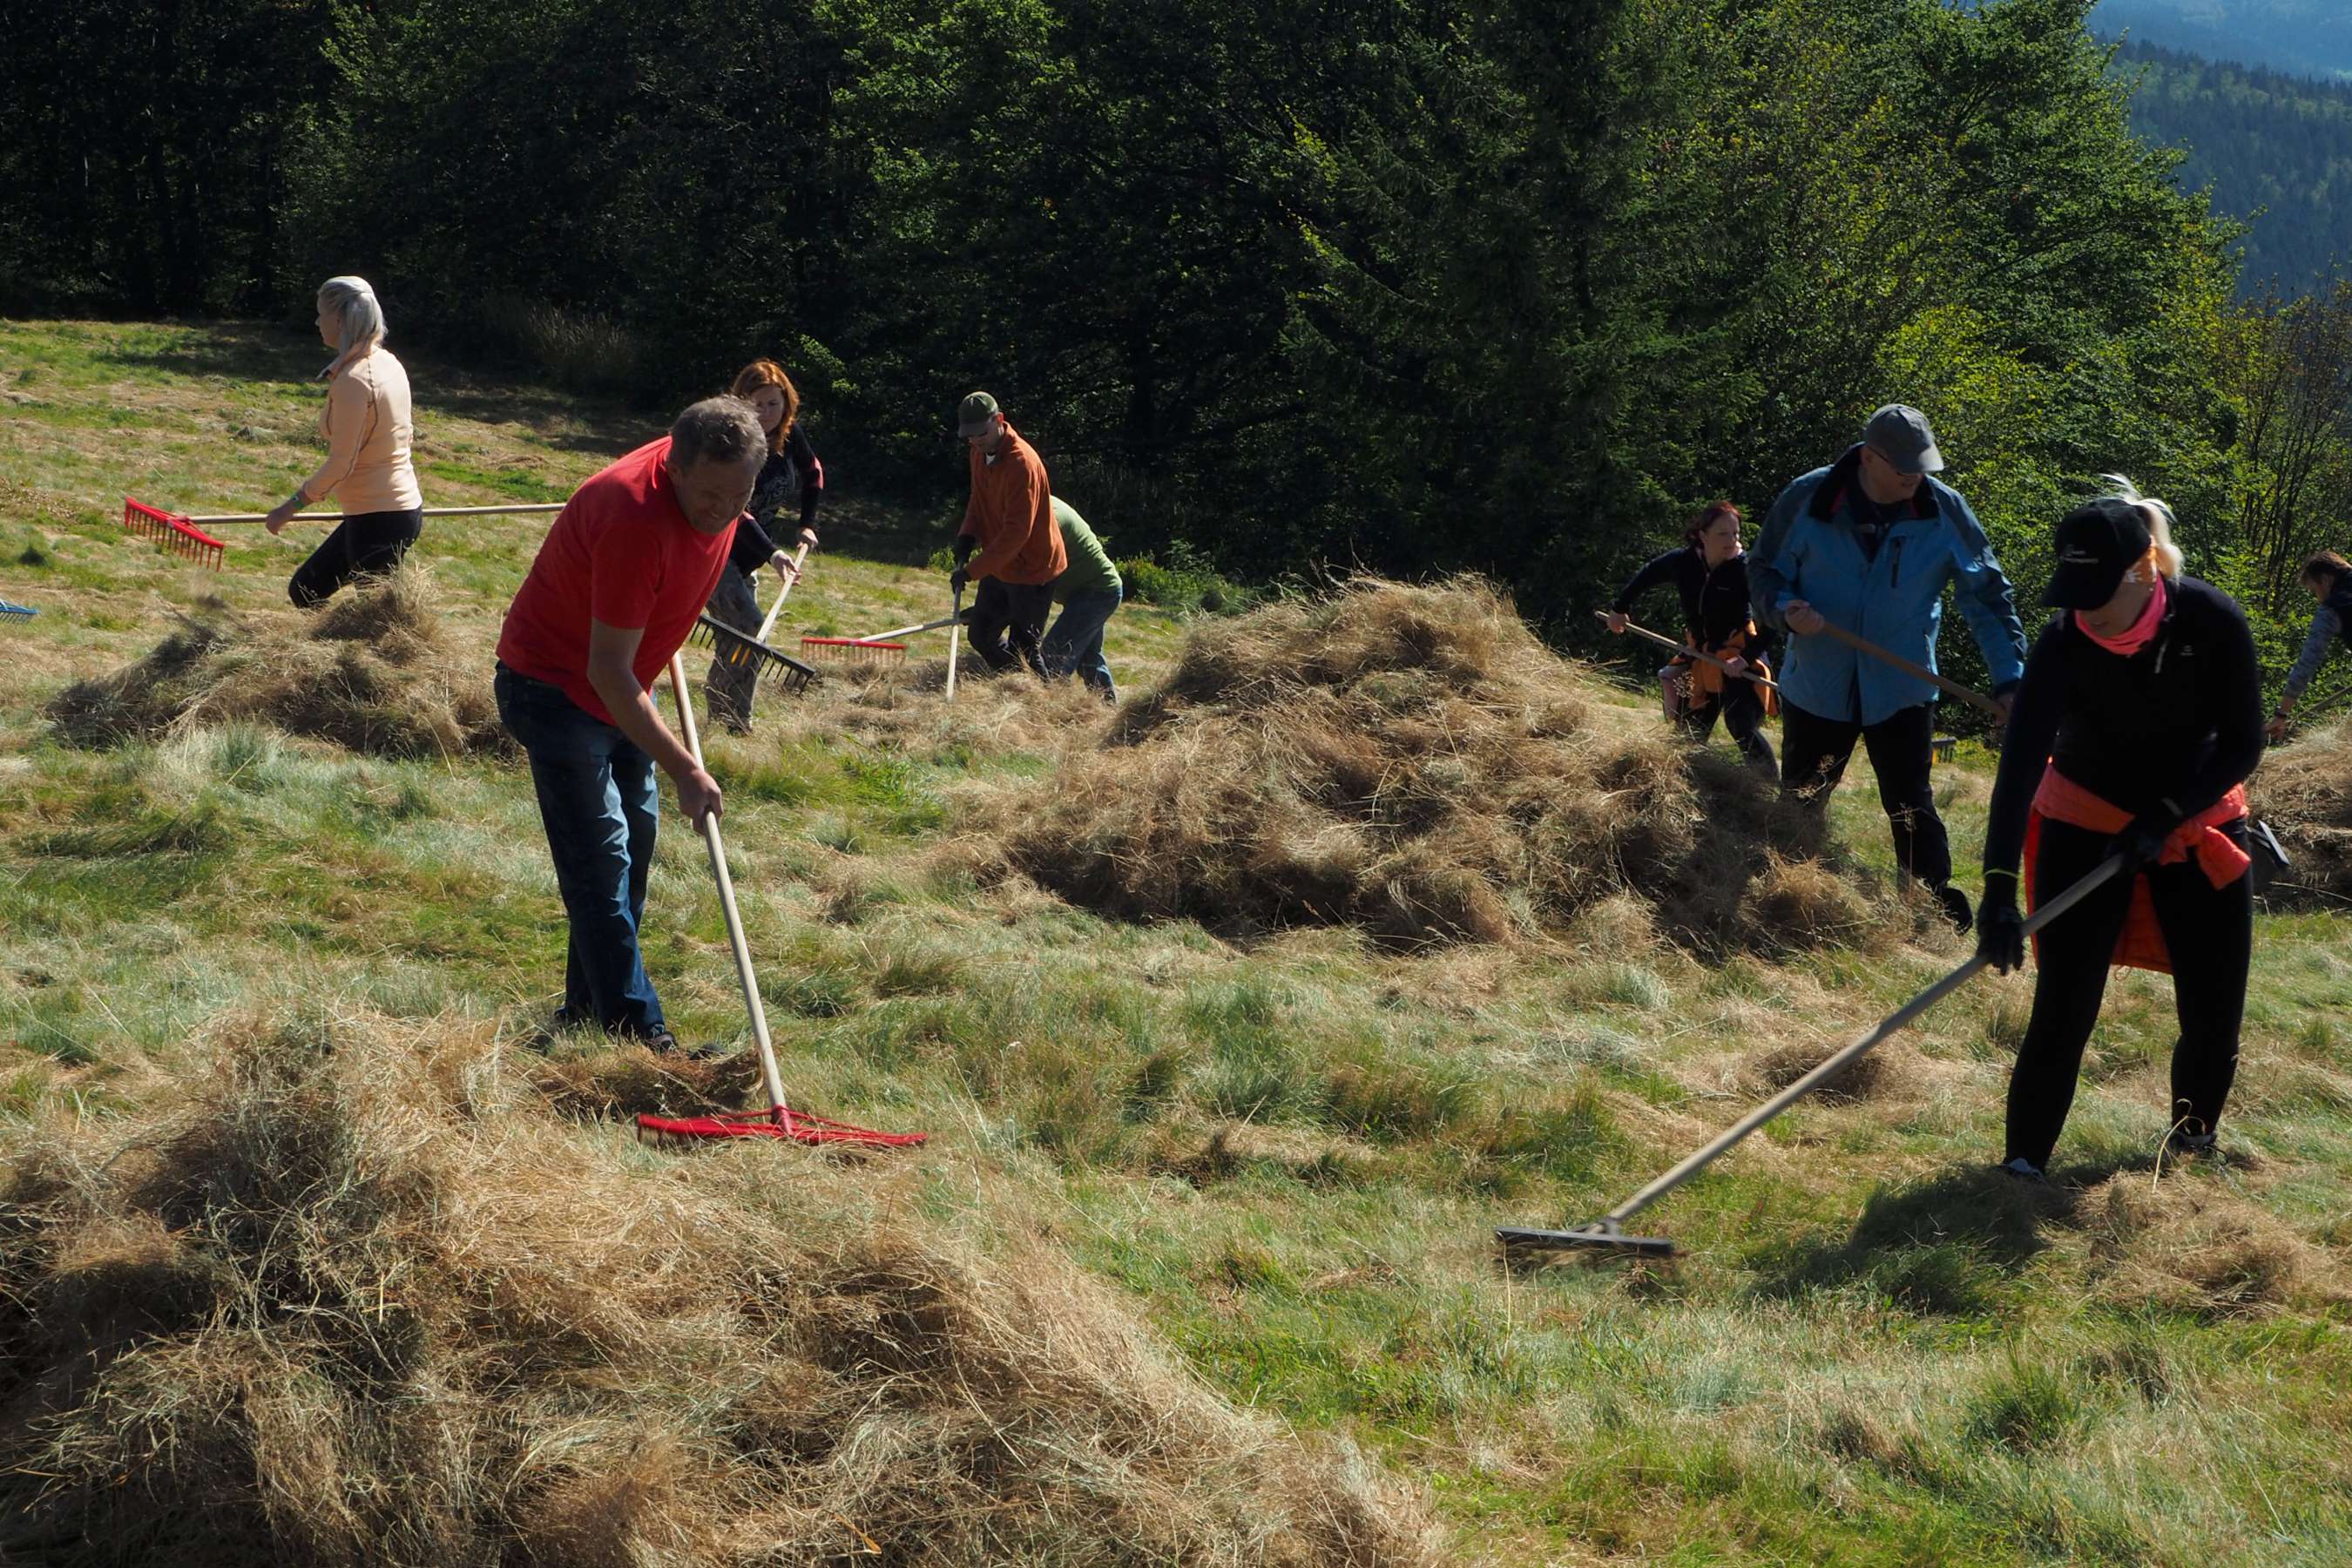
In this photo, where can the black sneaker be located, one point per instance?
(1956, 908)
(2183, 1145)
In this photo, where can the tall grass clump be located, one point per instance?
(2304, 792)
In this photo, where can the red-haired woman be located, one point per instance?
(792, 464)
(1710, 572)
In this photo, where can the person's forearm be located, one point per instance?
(634, 715)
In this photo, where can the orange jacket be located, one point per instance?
(1012, 514)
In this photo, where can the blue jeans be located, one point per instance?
(598, 802)
(1074, 644)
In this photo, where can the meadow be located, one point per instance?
(1198, 1264)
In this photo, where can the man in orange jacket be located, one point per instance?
(1008, 543)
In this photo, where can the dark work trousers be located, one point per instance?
(2209, 934)
(371, 541)
(727, 690)
(1741, 708)
(1014, 612)
(1814, 752)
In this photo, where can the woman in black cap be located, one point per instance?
(2138, 720)
(1710, 575)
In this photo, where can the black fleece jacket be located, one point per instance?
(753, 544)
(2168, 730)
(1714, 602)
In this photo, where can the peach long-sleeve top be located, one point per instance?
(368, 429)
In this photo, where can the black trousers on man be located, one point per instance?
(1010, 613)
(1815, 752)
(2209, 933)
(372, 541)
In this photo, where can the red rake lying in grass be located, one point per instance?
(779, 1121)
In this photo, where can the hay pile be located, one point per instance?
(2304, 792)
(367, 1298)
(1412, 761)
(370, 672)
(2188, 1245)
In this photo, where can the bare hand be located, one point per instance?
(279, 515)
(699, 796)
(784, 567)
(1803, 620)
(808, 537)
(2277, 728)
(1616, 622)
(1736, 664)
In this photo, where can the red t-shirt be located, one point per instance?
(621, 552)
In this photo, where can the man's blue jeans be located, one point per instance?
(598, 802)
(1075, 646)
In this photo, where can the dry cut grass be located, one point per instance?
(367, 1298)
(2304, 792)
(372, 671)
(1412, 761)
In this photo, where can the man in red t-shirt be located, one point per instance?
(1008, 543)
(613, 593)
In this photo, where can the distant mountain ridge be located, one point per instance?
(2309, 37)
(2259, 138)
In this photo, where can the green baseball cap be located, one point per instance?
(973, 414)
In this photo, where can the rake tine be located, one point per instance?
(174, 534)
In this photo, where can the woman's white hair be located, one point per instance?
(2159, 520)
(352, 305)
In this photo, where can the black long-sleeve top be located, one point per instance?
(754, 543)
(2168, 730)
(1714, 599)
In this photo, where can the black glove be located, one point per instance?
(2000, 930)
(964, 545)
(958, 580)
(2143, 841)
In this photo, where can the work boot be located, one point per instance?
(1956, 908)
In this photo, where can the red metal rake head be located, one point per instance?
(173, 533)
(797, 1125)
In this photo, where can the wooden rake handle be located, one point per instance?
(784, 591)
(429, 512)
(1836, 633)
(1689, 652)
(770, 1076)
(955, 644)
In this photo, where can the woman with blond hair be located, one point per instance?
(791, 466)
(369, 432)
(2138, 720)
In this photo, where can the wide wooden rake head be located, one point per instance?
(174, 534)
(741, 650)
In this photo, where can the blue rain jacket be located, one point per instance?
(1810, 551)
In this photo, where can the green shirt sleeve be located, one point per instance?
(1090, 570)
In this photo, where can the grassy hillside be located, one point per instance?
(321, 1246)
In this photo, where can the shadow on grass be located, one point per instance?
(1945, 1245)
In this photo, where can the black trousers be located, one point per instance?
(2210, 933)
(1012, 613)
(1815, 751)
(371, 541)
(1741, 708)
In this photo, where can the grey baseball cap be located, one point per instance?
(1899, 434)
(973, 414)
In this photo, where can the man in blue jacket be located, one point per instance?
(1869, 545)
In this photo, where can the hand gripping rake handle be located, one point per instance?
(1609, 1232)
(783, 591)
(770, 1077)
(1916, 671)
(1689, 652)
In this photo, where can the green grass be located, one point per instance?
(1289, 1158)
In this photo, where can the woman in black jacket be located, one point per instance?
(792, 464)
(1710, 574)
(2138, 720)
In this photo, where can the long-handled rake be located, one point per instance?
(1916, 671)
(179, 531)
(1689, 652)
(875, 647)
(1607, 1234)
(780, 1120)
(736, 649)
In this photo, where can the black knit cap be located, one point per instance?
(2094, 546)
